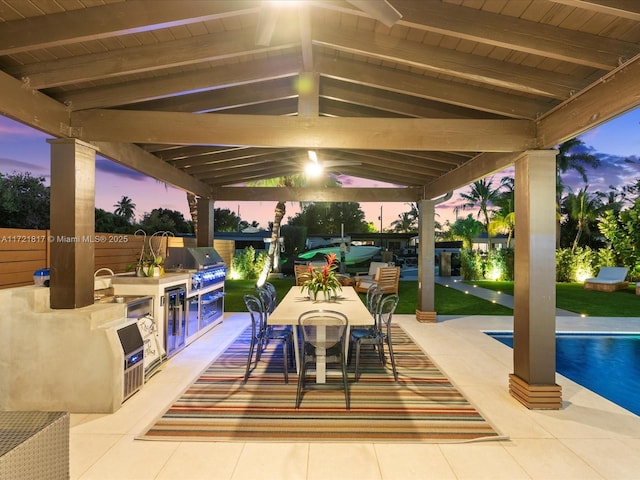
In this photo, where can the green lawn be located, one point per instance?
(573, 297)
(569, 296)
(448, 301)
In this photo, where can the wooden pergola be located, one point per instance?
(429, 95)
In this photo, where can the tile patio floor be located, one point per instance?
(590, 438)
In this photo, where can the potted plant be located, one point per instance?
(323, 279)
(149, 263)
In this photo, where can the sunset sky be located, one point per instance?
(23, 149)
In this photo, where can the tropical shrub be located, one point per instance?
(246, 265)
(471, 265)
(564, 265)
(577, 265)
(499, 265)
(623, 233)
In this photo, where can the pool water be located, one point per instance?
(607, 364)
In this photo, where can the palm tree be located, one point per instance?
(481, 195)
(565, 161)
(614, 199)
(273, 254)
(125, 208)
(404, 224)
(466, 229)
(583, 209)
(192, 201)
(504, 219)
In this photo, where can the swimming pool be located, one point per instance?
(605, 363)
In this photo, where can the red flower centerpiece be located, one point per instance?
(323, 279)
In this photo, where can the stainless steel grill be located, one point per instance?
(205, 293)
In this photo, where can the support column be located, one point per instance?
(73, 172)
(534, 330)
(205, 222)
(426, 262)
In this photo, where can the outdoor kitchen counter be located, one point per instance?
(167, 278)
(59, 360)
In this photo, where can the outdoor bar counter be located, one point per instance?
(65, 359)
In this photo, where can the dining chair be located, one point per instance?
(260, 335)
(372, 301)
(374, 294)
(380, 335)
(323, 334)
(274, 294)
(268, 299)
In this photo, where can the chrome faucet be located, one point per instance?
(95, 274)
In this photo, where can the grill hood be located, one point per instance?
(193, 258)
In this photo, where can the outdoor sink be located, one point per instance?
(117, 299)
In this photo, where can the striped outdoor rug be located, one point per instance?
(423, 407)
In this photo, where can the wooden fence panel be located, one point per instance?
(226, 249)
(22, 252)
(117, 251)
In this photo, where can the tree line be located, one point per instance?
(25, 203)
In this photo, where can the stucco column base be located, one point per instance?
(426, 317)
(535, 397)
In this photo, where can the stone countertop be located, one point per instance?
(132, 279)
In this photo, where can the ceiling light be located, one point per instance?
(313, 169)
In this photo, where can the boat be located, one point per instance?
(354, 254)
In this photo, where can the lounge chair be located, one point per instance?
(387, 280)
(372, 273)
(302, 273)
(609, 279)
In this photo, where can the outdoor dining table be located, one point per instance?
(295, 303)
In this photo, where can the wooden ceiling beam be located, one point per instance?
(450, 159)
(335, 108)
(381, 175)
(615, 94)
(307, 132)
(146, 58)
(479, 167)
(218, 157)
(516, 34)
(390, 162)
(629, 9)
(462, 95)
(223, 98)
(144, 162)
(187, 152)
(320, 194)
(379, 10)
(392, 102)
(111, 20)
(246, 165)
(32, 108)
(253, 175)
(467, 66)
(135, 91)
(306, 46)
(286, 107)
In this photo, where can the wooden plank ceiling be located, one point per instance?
(428, 95)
